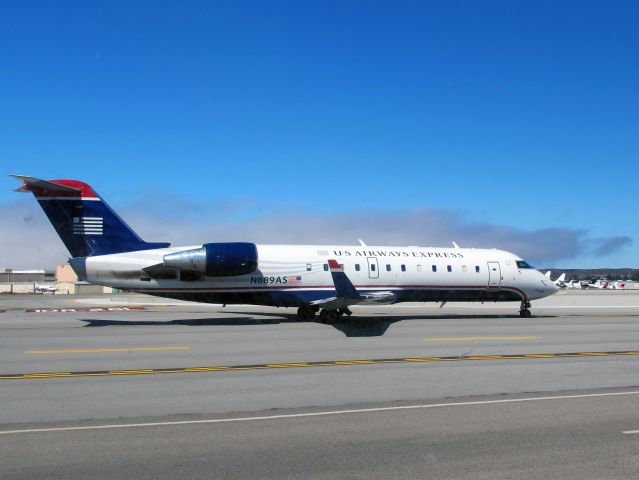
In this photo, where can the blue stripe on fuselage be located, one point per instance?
(298, 297)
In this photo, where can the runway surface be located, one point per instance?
(125, 360)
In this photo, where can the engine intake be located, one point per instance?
(216, 259)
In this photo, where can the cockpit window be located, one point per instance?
(522, 264)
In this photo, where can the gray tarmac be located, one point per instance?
(113, 360)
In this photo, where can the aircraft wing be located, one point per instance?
(347, 294)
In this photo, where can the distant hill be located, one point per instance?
(589, 273)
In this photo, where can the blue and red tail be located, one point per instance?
(85, 223)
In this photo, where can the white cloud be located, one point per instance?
(29, 241)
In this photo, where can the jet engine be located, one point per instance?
(216, 259)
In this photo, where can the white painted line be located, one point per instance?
(506, 307)
(630, 432)
(315, 414)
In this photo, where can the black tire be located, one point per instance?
(305, 313)
(332, 316)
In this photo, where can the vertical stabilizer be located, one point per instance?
(84, 222)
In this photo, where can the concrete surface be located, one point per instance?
(567, 438)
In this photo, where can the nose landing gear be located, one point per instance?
(524, 309)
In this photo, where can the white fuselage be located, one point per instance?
(293, 274)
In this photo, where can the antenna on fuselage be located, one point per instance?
(361, 242)
(455, 245)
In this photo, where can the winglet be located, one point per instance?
(335, 266)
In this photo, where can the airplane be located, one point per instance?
(560, 281)
(47, 288)
(604, 283)
(314, 278)
(575, 284)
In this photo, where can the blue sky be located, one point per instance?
(518, 118)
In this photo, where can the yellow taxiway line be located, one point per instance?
(332, 363)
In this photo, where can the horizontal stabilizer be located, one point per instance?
(30, 183)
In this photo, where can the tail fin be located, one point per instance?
(85, 223)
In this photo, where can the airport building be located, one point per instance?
(67, 283)
(64, 281)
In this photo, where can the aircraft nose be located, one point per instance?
(550, 287)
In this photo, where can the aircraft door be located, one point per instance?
(494, 275)
(373, 268)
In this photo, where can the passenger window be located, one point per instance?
(388, 267)
(434, 268)
(372, 267)
(449, 268)
(326, 267)
(464, 269)
(309, 267)
(403, 268)
(419, 268)
(357, 267)
(477, 268)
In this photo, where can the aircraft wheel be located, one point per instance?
(332, 316)
(305, 313)
(323, 314)
(525, 313)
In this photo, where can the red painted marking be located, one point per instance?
(84, 309)
(333, 264)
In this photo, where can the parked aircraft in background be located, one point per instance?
(574, 284)
(597, 283)
(560, 281)
(324, 278)
(47, 288)
(605, 283)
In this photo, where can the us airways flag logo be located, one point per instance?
(87, 225)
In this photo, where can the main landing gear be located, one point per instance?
(524, 309)
(307, 313)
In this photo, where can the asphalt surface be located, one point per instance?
(171, 362)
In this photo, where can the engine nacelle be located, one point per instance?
(216, 259)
